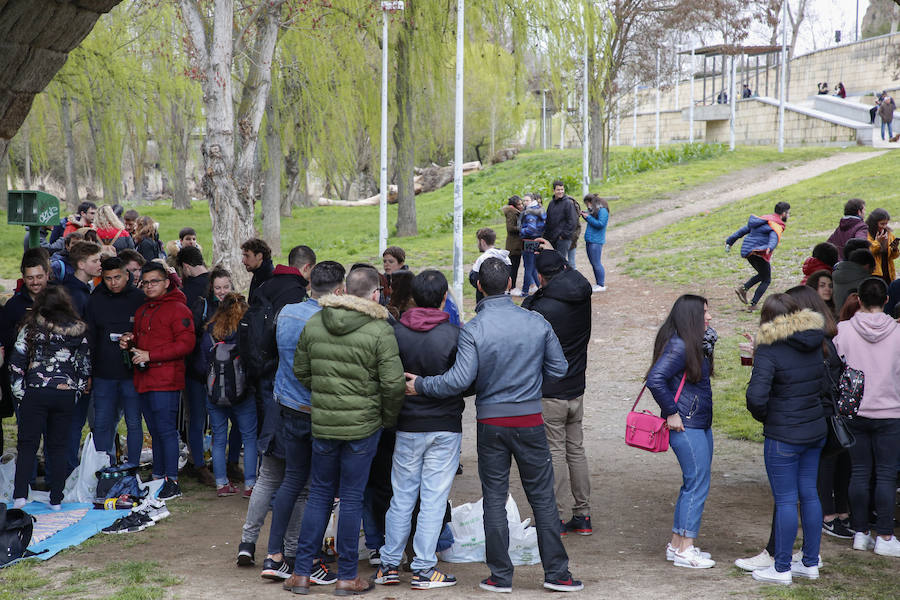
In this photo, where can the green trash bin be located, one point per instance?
(33, 209)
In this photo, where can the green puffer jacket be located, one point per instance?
(348, 358)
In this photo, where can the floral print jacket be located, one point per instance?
(60, 356)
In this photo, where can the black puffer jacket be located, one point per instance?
(48, 355)
(565, 302)
(427, 342)
(111, 313)
(785, 389)
(561, 219)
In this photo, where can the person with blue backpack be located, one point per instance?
(762, 237)
(531, 227)
(226, 389)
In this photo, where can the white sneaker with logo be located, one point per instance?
(801, 570)
(760, 561)
(798, 557)
(889, 547)
(671, 550)
(770, 575)
(863, 541)
(692, 558)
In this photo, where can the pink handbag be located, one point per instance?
(645, 430)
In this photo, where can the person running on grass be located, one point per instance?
(762, 237)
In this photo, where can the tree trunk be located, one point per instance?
(71, 175)
(181, 137)
(27, 181)
(403, 135)
(292, 170)
(4, 182)
(596, 141)
(271, 196)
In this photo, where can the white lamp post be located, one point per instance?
(458, 159)
(386, 7)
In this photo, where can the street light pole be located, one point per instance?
(382, 204)
(691, 107)
(458, 159)
(585, 149)
(657, 98)
(782, 72)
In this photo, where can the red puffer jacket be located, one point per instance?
(163, 326)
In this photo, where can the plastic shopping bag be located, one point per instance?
(467, 524)
(81, 485)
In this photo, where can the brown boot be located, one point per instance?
(299, 584)
(353, 587)
(205, 476)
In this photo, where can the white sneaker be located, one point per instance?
(670, 552)
(801, 570)
(693, 559)
(515, 292)
(598, 288)
(889, 547)
(20, 503)
(770, 575)
(532, 289)
(760, 561)
(863, 541)
(797, 557)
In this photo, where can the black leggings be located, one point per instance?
(51, 409)
(763, 276)
(834, 483)
(514, 268)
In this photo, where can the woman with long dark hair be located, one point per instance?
(679, 381)
(823, 284)
(50, 367)
(597, 217)
(785, 394)
(885, 247)
(222, 329)
(511, 211)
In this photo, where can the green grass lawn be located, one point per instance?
(694, 247)
(351, 234)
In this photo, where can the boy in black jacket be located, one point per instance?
(429, 434)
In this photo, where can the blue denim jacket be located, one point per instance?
(501, 334)
(291, 321)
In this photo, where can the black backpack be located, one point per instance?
(256, 337)
(226, 380)
(16, 527)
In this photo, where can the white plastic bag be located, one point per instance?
(467, 523)
(7, 476)
(81, 486)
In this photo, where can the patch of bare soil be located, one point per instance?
(633, 492)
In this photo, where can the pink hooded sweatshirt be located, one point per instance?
(870, 342)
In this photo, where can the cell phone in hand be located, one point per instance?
(532, 246)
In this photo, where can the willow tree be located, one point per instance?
(231, 136)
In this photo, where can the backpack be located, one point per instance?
(256, 337)
(226, 380)
(57, 269)
(848, 390)
(532, 224)
(16, 527)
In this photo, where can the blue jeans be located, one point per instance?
(595, 252)
(496, 447)
(195, 395)
(571, 258)
(161, 413)
(297, 439)
(694, 450)
(110, 396)
(529, 275)
(562, 246)
(889, 125)
(793, 470)
(79, 417)
(424, 465)
(340, 468)
(245, 415)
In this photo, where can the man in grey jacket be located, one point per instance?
(508, 411)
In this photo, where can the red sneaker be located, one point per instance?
(229, 489)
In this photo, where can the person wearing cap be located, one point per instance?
(564, 300)
(509, 422)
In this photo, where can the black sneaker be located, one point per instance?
(169, 490)
(564, 585)
(374, 558)
(386, 575)
(246, 554)
(492, 585)
(320, 575)
(430, 579)
(846, 523)
(127, 524)
(580, 525)
(836, 529)
(563, 531)
(276, 570)
(144, 519)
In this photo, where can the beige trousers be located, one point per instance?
(562, 420)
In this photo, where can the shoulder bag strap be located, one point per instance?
(677, 394)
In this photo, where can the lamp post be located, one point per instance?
(386, 7)
(585, 149)
(691, 107)
(657, 98)
(781, 74)
(458, 159)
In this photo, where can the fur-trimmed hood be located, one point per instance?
(344, 314)
(510, 210)
(75, 329)
(802, 329)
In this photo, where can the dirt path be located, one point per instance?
(633, 492)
